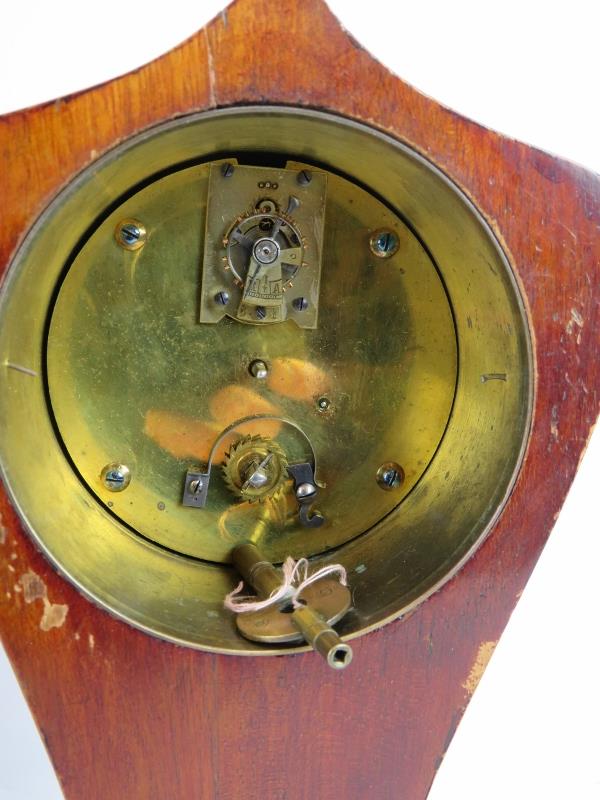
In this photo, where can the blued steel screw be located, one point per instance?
(390, 476)
(130, 234)
(222, 298)
(384, 243)
(300, 303)
(116, 477)
(304, 177)
(227, 170)
(261, 312)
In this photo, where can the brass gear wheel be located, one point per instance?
(255, 468)
(250, 226)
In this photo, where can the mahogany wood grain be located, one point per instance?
(127, 716)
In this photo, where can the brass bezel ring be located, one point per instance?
(413, 551)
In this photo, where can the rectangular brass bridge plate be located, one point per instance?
(263, 244)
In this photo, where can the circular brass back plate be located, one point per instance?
(423, 359)
(135, 377)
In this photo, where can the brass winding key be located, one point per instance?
(322, 604)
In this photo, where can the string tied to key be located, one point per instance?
(295, 579)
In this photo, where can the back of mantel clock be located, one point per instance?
(278, 337)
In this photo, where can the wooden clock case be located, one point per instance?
(127, 715)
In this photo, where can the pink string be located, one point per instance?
(295, 579)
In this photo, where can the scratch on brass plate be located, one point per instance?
(493, 376)
(34, 588)
(20, 368)
(484, 654)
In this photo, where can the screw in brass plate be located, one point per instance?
(196, 486)
(222, 298)
(305, 490)
(130, 234)
(384, 243)
(304, 177)
(323, 403)
(300, 304)
(390, 476)
(258, 369)
(115, 477)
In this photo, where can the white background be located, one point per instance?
(530, 70)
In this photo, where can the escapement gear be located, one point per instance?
(266, 226)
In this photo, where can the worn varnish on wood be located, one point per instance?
(128, 716)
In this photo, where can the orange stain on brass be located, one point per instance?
(297, 379)
(183, 436)
(234, 402)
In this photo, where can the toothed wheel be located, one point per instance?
(281, 239)
(255, 468)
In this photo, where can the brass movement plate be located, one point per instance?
(423, 357)
(135, 378)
